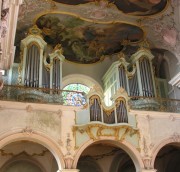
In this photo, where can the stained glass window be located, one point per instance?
(77, 96)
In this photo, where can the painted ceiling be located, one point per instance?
(83, 41)
(92, 29)
(131, 7)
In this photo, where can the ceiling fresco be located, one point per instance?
(86, 42)
(91, 37)
(131, 7)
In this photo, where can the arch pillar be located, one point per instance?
(147, 170)
(68, 170)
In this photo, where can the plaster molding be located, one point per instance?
(28, 131)
(68, 144)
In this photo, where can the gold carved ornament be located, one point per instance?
(92, 98)
(116, 129)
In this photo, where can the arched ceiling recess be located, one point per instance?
(84, 41)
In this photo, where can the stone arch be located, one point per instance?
(175, 139)
(39, 138)
(126, 146)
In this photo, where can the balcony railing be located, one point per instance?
(155, 104)
(42, 95)
(75, 98)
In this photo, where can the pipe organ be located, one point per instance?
(117, 113)
(136, 77)
(38, 68)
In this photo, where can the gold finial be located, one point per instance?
(35, 31)
(121, 55)
(59, 48)
(144, 44)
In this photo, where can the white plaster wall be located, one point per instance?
(96, 71)
(155, 127)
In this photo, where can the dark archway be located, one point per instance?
(100, 157)
(168, 159)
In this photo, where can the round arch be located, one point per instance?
(79, 78)
(126, 146)
(163, 143)
(37, 138)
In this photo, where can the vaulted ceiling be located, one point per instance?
(90, 30)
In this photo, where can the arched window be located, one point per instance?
(74, 94)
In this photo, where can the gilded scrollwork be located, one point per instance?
(95, 131)
(92, 98)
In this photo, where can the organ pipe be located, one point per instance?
(95, 110)
(133, 85)
(122, 78)
(56, 74)
(31, 66)
(121, 112)
(146, 78)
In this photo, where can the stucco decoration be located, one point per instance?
(28, 131)
(175, 137)
(97, 130)
(145, 141)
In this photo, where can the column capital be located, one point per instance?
(68, 170)
(148, 170)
